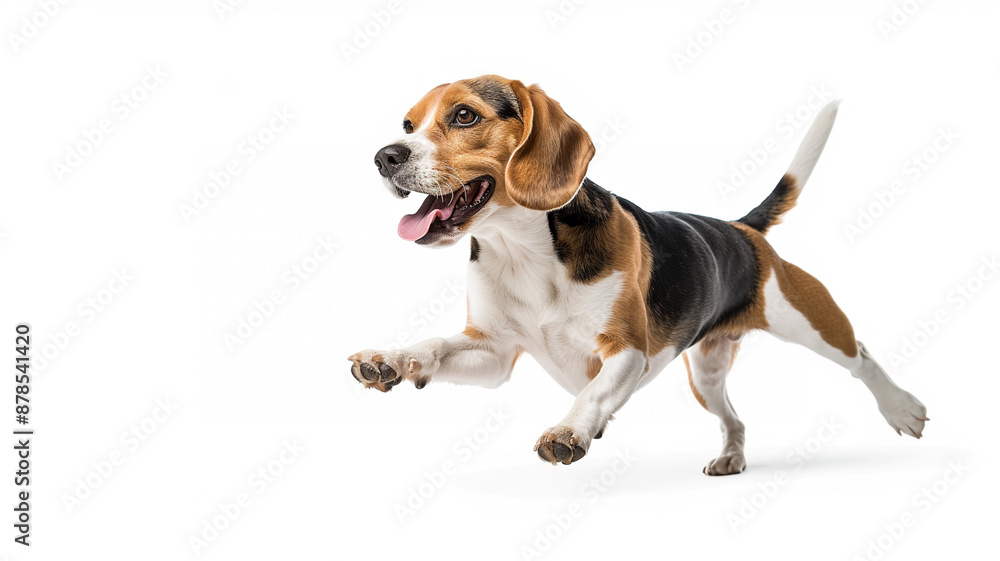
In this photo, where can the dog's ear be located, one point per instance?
(550, 163)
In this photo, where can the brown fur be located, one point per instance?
(464, 154)
(427, 105)
(538, 161)
(809, 296)
(709, 343)
(788, 186)
(615, 244)
(620, 242)
(547, 147)
(803, 292)
(467, 153)
(625, 250)
(788, 201)
(594, 367)
(472, 332)
(551, 160)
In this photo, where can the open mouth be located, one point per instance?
(439, 215)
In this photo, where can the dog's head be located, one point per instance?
(476, 146)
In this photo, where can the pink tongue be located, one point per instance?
(412, 227)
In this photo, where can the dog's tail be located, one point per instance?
(782, 199)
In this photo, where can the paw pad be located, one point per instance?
(373, 372)
(560, 445)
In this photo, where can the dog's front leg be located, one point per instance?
(469, 358)
(618, 378)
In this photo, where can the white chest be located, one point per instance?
(529, 301)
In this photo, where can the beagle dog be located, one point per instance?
(602, 293)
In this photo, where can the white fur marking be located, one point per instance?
(812, 145)
(520, 292)
(605, 394)
(788, 324)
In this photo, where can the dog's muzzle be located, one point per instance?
(389, 159)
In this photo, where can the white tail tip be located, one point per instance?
(812, 145)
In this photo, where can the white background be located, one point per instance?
(683, 127)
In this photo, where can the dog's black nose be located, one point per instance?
(390, 158)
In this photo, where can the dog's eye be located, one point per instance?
(407, 126)
(465, 117)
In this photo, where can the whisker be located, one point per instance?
(448, 176)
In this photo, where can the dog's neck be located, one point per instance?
(516, 235)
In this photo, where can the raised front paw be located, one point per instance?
(384, 370)
(561, 444)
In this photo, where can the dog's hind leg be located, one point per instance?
(708, 363)
(799, 309)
